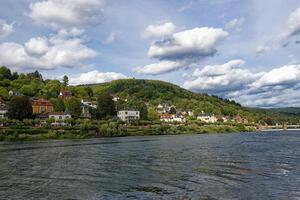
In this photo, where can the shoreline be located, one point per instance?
(116, 130)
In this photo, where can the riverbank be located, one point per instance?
(114, 129)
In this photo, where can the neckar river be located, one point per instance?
(220, 166)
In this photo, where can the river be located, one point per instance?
(219, 166)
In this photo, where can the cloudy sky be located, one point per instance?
(246, 50)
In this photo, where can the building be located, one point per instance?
(128, 115)
(165, 108)
(172, 118)
(86, 107)
(65, 94)
(41, 106)
(3, 109)
(208, 118)
(57, 116)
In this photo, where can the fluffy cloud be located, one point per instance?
(46, 53)
(235, 24)
(277, 87)
(95, 77)
(197, 42)
(66, 13)
(294, 22)
(159, 68)
(161, 30)
(183, 49)
(220, 79)
(5, 29)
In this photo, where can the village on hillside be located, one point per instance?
(43, 109)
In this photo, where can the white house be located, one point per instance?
(208, 118)
(128, 115)
(86, 106)
(59, 116)
(3, 109)
(172, 118)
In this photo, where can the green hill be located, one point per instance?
(154, 92)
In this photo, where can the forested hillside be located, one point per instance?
(135, 93)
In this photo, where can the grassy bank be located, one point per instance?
(114, 129)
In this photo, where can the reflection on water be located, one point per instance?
(225, 166)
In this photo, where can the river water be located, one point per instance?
(220, 166)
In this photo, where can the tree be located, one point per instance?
(35, 75)
(73, 106)
(105, 106)
(65, 81)
(58, 105)
(152, 115)
(5, 72)
(20, 108)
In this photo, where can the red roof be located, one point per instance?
(41, 102)
(166, 116)
(65, 93)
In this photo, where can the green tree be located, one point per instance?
(20, 108)
(65, 81)
(152, 115)
(58, 105)
(5, 72)
(4, 93)
(105, 106)
(73, 105)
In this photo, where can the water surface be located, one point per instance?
(221, 166)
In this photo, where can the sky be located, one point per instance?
(244, 50)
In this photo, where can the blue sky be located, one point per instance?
(246, 50)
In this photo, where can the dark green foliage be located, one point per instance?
(5, 73)
(73, 106)
(58, 105)
(65, 81)
(20, 108)
(105, 106)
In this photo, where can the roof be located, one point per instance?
(41, 102)
(166, 116)
(65, 93)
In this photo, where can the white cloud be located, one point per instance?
(219, 79)
(66, 13)
(294, 22)
(111, 37)
(46, 53)
(5, 29)
(235, 24)
(183, 49)
(161, 30)
(197, 42)
(262, 49)
(277, 87)
(95, 77)
(159, 68)
(38, 46)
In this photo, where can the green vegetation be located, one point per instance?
(143, 95)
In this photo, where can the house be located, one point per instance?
(41, 106)
(129, 115)
(185, 112)
(208, 118)
(3, 109)
(172, 118)
(86, 107)
(165, 108)
(57, 116)
(65, 94)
